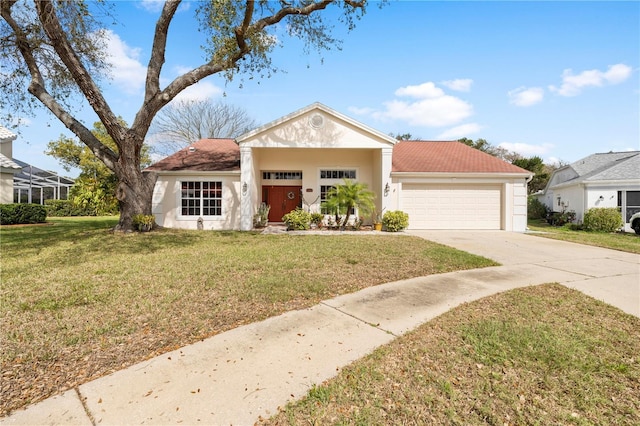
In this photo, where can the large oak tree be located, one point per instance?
(54, 48)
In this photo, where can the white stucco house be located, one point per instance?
(8, 167)
(294, 160)
(600, 180)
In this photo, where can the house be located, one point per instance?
(600, 180)
(7, 166)
(293, 162)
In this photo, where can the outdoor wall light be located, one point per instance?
(601, 198)
(386, 189)
(244, 188)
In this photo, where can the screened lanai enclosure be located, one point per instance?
(34, 185)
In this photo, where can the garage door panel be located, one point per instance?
(452, 206)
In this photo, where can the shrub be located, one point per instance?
(395, 221)
(536, 209)
(561, 218)
(297, 220)
(317, 219)
(143, 222)
(13, 214)
(601, 219)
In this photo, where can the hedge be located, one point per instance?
(62, 208)
(14, 214)
(601, 219)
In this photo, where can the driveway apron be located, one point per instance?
(608, 275)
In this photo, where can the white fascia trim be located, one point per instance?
(587, 183)
(197, 173)
(461, 176)
(613, 182)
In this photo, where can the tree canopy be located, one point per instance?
(347, 196)
(182, 123)
(542, 172)
(95, 187)
(55, 52)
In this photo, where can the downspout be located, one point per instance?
(585, 202)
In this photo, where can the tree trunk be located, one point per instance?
(135, 188)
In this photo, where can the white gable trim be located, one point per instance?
(256, 138)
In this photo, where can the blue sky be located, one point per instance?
(555, 79)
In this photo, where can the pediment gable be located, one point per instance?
(315, 126)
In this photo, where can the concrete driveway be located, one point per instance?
(608, 275)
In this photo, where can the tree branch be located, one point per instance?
(241, 30)
(37, 88)
(158, 50)
(53, 29)
(154, 103)
(286, 11)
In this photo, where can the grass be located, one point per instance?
(535, 355)
(629, 242)
(78, 302)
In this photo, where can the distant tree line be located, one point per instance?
(542, 172)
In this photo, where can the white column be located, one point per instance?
(385, 176)
(247, 188)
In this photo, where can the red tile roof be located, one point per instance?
(205, 155)
(408, 156)
(446, 157)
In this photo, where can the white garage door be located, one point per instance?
(447, 206)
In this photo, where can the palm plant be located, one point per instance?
(345, 197)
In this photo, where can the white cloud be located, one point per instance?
(155, 6)
(424, 90)
(526, 96)
(127, 71)
(435, 112)
(151, 5)
(527, 150)
(460, 132)
(198, 92)
(21, 122)
(432, 107)
(553, 161)
(572, 84)
(459, 84)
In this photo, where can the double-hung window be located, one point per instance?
(201, 198)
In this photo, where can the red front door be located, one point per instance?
(282, 200)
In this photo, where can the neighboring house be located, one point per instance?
(21, 182)
(599, 180)
(293, 162)
(7, 166)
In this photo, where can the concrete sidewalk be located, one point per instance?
(238, 376)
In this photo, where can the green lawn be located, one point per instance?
(543, 355)
(629, 242)
(79, 302)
